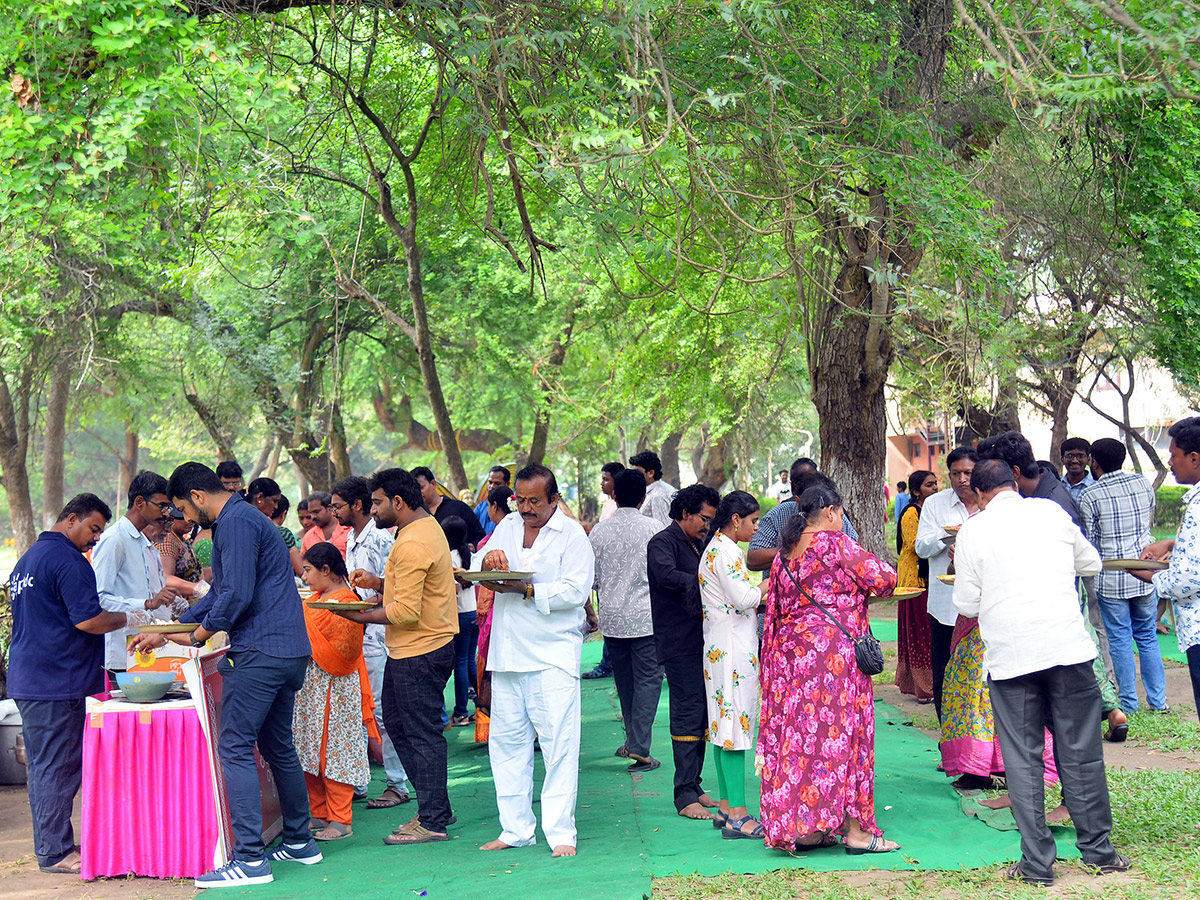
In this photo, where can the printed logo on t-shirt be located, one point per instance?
(18, 583)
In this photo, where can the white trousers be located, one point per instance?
(542, 705)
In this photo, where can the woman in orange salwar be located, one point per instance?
(335, 702)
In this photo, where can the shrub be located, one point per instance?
(1169, 509)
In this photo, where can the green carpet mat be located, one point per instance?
(884, 629)
(1169, 644)
(628, 829)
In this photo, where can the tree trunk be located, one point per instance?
(54, 445)
(716, 470)
(14, 453)
(337, 443)
(428, 365)
(541, 422)
(220, 437)
(1060, 405)
(264, 456)
(669, 454)
(273, 465)
(128, 459)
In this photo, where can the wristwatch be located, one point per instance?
(196, 643)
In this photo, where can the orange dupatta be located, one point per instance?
(337, 648)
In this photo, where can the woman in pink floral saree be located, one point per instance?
(816, 739)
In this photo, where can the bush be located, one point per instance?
(1169, 509)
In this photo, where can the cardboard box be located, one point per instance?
(172, 656)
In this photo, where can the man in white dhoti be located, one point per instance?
(537, 638)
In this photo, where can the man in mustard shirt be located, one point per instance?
(420, 610)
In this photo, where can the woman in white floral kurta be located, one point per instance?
(730, 602)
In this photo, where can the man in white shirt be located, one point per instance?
(367, 548)
(623, 590)
(658, 492)
(129, 572)
(782, 489)
(1015, 569)
(534, 655)
(950, 507)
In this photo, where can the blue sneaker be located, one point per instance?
(309, 853)
(237, 873)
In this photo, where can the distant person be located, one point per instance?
(608, 472)
(466, 642)
(181, 569)
(658, 492)
(55, 662)
(1118, 510)
(619, 544)
(325, 526)
(782, 489)
(254, 600)
(264, 494)
(765, 546)
(1075, 454)
(231, 476)
(304, 516)
(1180, 582)
(902, 498)
(498, 476)
(1016, 564)
(673, 561)
(442, 507)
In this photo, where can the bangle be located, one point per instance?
(529, 592)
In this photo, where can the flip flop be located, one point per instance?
(383, 801)
(334, 831)
(74, 863)
(417, 834)
(877, 845)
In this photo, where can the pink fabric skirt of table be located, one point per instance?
(148, 806)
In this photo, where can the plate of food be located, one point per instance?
(494, 575)
(1128, 565)
(906, 593)
(348, 606)
(169, 628)
(946, 579)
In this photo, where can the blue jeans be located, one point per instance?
(258, 695)
(466, 644)
(53, 731)
(1128, 622)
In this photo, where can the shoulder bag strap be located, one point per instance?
(809, 597)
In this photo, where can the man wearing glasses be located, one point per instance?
(129, 572)
(1075, 453)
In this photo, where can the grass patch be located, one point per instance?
(1169, 732)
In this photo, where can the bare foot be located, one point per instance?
(562, 850)
(707, 802)
(496, 845)
(1001, 802)
(1058, 815)
(696, 811)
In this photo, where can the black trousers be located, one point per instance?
(1065, 700)
(689, 722)
(413, 690)
(258, 696)
(1193, 658)
(939, 653)
(639, 679)
(53, 732)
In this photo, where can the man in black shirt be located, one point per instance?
(673, 562)
(442, 507)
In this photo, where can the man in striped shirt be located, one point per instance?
(1117, 511)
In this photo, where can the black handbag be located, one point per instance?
(868, 652)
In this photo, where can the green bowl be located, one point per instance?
(145, 687)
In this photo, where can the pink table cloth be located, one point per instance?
(148, 805)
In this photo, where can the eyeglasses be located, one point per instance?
(336, 506)
(162, 507)
(1075, 454)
